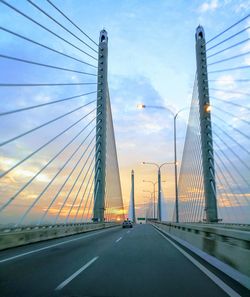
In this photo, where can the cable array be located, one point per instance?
(113, 194)
(48, 117)
(228, 72)
(191, 190)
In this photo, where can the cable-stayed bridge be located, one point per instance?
(60, 173)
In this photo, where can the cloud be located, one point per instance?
(208, 6)
(226, 87)
(21, 172)
(226, 81)
(247, 61)
(242, 6)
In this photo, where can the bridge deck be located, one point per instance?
(116, 262)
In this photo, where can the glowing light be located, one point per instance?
(141, 106)
(207, 107)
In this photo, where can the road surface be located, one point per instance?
(137, 262)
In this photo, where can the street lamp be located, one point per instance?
(146, 202)
(141, 106)
(175, 115)
(151, 194)
(154, 184)
(159, 183)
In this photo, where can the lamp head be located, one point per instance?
(207, 107)
(141, 106)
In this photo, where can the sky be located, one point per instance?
(151, 60)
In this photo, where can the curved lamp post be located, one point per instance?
(154, 184)
(159, 166)
(151, 195)
(175, 115)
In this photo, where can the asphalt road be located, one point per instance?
(137, 262)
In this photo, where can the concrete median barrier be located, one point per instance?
(13, 237)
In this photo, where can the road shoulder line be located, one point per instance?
(208, 273)
(229, 271)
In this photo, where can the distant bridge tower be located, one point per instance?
(131, 211)
(101, 127)
(133, 195)
(206, 128)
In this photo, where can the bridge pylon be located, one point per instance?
(133, 195)
(101, 129)
(206, 128)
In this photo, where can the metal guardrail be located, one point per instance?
(235, 226)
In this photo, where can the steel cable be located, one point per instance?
(45, 84)
(63, 14)
(231, 114)
(232, 127)
(85, 190)
(44, 145)
(59, 24)
(231, 176)
(230, 102)
(230, 58)
(42, 125)
(230, 27)
(229, 47)
(47, 186)
(67, 179)
(229, 69)
(230, 161)
(12, 198)
(45, 28)
(45, 46)
(94, 182)
(79, 189)
(45, 65)
(46, 104)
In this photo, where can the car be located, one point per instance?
(127, 224)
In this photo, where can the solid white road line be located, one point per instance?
(52, 245)
(118, 239)
(212, 276)
(69, 279)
